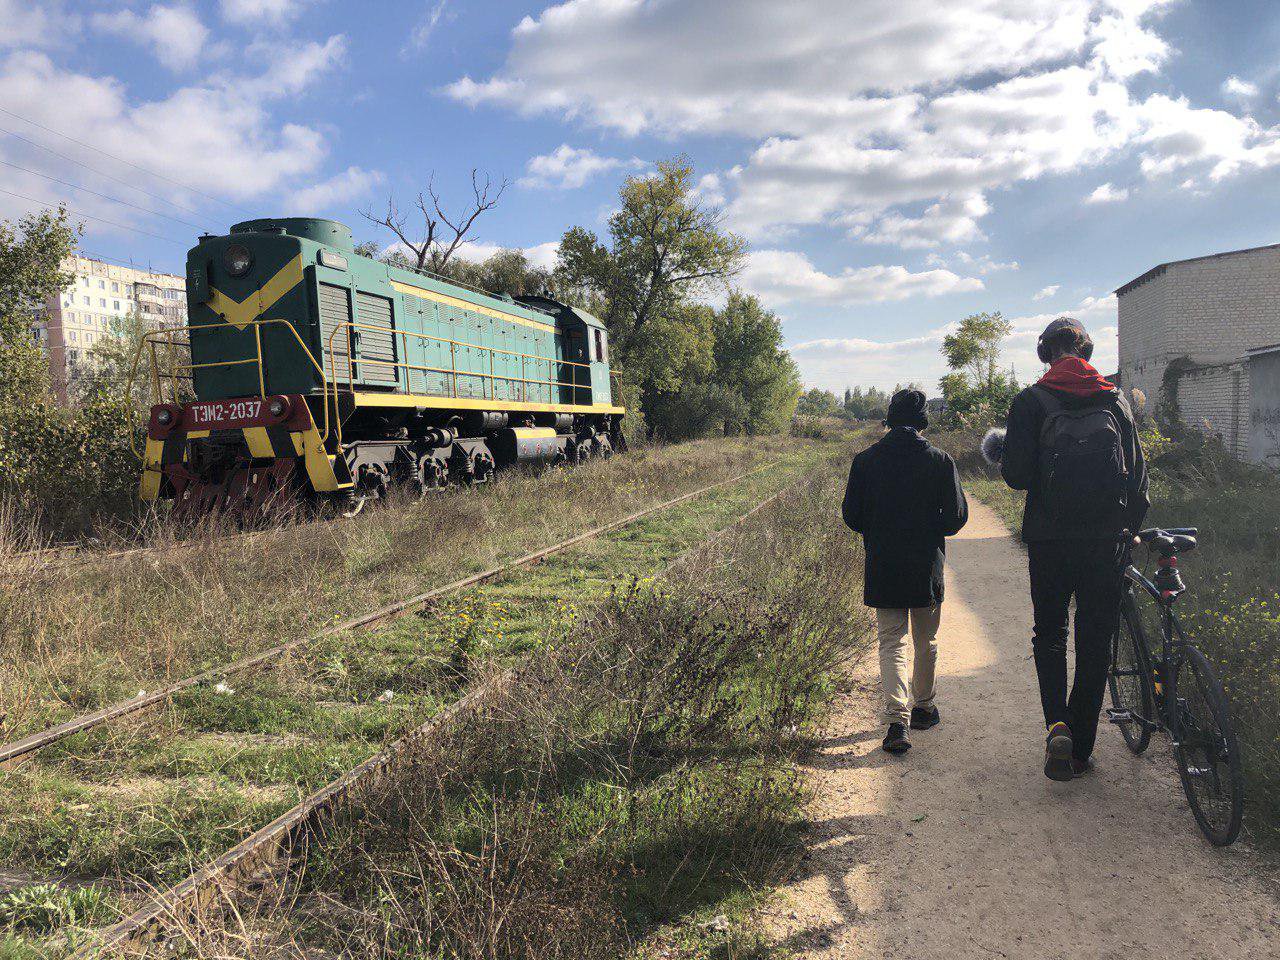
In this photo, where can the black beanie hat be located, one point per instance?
(906, 409)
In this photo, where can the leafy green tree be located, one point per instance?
(977, 391)
(974, 349)
(816, 402)
(664, 249)
(750, 361)
(32, 253)
(70, 467)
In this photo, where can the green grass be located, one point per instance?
(77, 638)
(636, 794)
(154, 799)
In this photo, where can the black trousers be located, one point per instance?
(1089, 571)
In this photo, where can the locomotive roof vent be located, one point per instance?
(329, 232)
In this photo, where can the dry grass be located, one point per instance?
(77, 637)
(150, 801)
(637, 777)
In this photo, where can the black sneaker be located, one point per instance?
(1081, 767)
(1057, 753)
(922, 719)
(895, 741)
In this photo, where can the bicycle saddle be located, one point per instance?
(1171, 542)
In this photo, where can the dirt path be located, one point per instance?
(963, 849)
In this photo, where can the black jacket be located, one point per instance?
(904, 497)
(1020, 465)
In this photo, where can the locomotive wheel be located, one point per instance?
(352, 503)
(430, 477)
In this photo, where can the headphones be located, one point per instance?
(1042, 346)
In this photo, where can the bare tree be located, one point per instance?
(440, 235)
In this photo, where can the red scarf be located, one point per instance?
(1075, 376)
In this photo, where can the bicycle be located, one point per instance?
(1175, 689)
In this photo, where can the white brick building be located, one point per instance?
(100, 295)
(1187, 327)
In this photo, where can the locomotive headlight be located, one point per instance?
(237, 259)
(164, 417)
(278, 407)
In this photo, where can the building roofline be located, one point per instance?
(1259, 351)
(1160, 268)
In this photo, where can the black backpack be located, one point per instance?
(1083, 476)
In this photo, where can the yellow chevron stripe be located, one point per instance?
(424, 294)
(149, 485)
(259, 443)
(241, 314)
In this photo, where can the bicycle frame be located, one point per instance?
(1172, 640)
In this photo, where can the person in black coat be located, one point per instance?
(904, 497)
(1072, 530)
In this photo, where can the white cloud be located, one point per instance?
(983, 264)
(709, 190)
(898, 125)
(541, 255)
(784, 276)
(837, 362)
(1047, 292)
(174, 33)
(215, 137)
(295, 66)
(25, 25)
(326, 194)
(1107, 193)
(951, 220)
(567, 168)
(1233, 86)
(420, 36)
(1176, 137)
(251, 13)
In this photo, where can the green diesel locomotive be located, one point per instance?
(309, 370)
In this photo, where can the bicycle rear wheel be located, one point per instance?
(1130, 679)
(1206, 750)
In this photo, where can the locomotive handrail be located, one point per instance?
(164, 337)
(452, 371)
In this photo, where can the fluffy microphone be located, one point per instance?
(992, 447)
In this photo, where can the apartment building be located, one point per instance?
(100, 296)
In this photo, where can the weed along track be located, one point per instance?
(81, 639)
(14, 753)
(275, 738)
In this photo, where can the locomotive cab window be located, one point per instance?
(600, 350)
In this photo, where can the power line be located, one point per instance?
(76, 186)
(101, 173)
(130, 163)
(89, 216)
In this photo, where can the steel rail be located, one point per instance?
(274, 841)
(19, 750)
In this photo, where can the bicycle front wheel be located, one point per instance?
(1205, 748)
(1130, 679)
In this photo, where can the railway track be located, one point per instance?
(15, 752)
(272, 845)
(282, 829)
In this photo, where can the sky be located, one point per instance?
(894, 164)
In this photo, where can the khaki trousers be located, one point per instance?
(892, 628)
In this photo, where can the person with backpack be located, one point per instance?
(1071, 444)
(904, 497)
